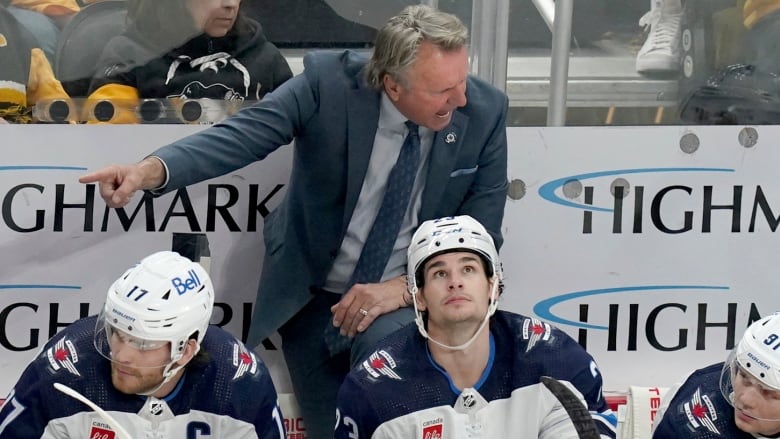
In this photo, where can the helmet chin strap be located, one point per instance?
(169, 373)
(490, 311)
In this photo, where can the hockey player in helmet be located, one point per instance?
(149, 360)
(739, 398)
(466, 369)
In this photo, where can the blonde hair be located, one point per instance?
(397, 43)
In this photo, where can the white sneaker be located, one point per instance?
(661, 51)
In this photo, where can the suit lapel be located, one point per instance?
(445, 149)
(362, 118)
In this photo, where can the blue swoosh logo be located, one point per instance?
(42, 168)
(543, 309)
(547, 190)
(38, 287)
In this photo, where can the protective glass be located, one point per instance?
(108, 340)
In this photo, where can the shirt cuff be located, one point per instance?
(159, 190)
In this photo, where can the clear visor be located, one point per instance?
(121, 347)
(747, 393)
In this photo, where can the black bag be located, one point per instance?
(740, 94)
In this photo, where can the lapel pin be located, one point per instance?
(450, 138)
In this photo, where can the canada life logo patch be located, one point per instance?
(433, 429)
(63, 355)
(101, 430)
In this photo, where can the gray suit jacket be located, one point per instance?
(332, 114)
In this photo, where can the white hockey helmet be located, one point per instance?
(164, 298)
(757, 352)
(444, 235)
(756, 358)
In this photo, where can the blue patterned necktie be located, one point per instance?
(381, 238)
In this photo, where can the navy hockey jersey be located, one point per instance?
(228, 395)
(699, 410)
(400, 391)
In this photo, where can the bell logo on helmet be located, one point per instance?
(182, 286)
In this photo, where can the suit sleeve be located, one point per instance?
(248, 136)
(487, 195)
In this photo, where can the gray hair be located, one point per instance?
(397, 43)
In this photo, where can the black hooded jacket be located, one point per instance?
(242, 65)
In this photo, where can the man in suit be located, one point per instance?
(350, 119)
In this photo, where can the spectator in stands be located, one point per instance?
(466, 368)
(45, 19)
(150, 360)
(186, 49)
(738, 398)
(26, 77)
(411, 109)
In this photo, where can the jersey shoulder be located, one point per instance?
(699, 410)
(230, 357)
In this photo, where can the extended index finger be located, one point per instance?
(107, 174)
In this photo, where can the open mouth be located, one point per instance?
(443, 115)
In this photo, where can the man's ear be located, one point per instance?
(420, 300)
(190, 350)
(392, 87)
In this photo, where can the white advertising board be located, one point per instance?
(653, 246)
(62, 248)
(657, 280)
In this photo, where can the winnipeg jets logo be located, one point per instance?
(63, 355)
(381, 363)
(535, 330)
(243, 360)
(701, 412)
